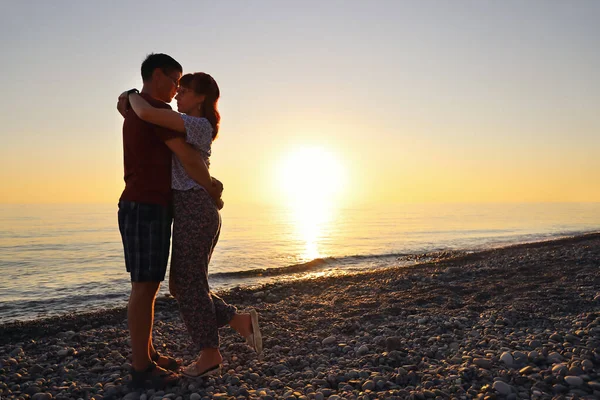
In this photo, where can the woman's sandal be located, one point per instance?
(254, 340)
(173, 365)
(212, 371)
(147, 379)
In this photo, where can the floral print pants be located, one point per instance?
(196, 229)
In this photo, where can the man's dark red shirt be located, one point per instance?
(147, 159)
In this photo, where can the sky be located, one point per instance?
(365, 102)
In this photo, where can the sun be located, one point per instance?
(311, 175)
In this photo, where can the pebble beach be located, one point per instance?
(520, 322)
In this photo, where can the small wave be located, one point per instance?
(71, 299)
(290, 269)
(321, 263)
(415, 257)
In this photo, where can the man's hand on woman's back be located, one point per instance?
(217, 192)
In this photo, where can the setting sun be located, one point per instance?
(311, 175)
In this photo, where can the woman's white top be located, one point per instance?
(199, 134)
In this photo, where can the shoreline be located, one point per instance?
(77, 320)
(82, 301)
(521, 321)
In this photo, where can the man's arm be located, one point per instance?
(195, 167)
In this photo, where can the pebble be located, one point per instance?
(502, 388)
(527, 370)
(560, 369)
(554, 357)
(393, 343)
(329, 340)
(368, 385)
(507, 359)
(362, 350)
(483, 363)
(573, 380)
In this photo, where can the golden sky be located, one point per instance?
(385, 103)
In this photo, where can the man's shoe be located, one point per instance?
(153, 377)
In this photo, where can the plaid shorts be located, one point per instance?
(146, 235)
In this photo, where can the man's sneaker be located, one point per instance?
(153, 377)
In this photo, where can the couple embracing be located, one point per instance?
(167, 181)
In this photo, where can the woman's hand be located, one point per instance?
(123, 104)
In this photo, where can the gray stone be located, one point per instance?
(573, 380)
(275, 383)
(329, 340)
(502, 388)
(571, 338)
(535, 344)
(558, 388)
(33, 389)
(362, 350)
(483, 363)
(587, 365)
(368, 385)
(393, 343)
(527, 370)
(507, 359)
(575, 371)
(560, 369)
(556, 337)
(578, 392)
(554, 357)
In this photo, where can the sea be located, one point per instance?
(65, 258)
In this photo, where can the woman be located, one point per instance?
(196, 226)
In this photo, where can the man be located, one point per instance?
(145, 213)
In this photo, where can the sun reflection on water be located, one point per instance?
(311, 180)
(311, 221)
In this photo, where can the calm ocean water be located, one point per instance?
(62, 258)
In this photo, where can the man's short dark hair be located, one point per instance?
(166, 63)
